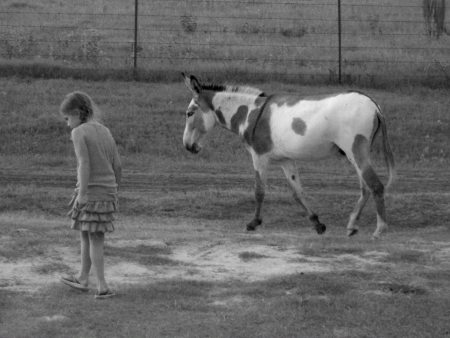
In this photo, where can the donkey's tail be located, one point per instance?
(388, 155)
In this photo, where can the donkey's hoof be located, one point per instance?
(376, 236)
(253, 224)
(380, 229)
(351, 232)
(320, 228)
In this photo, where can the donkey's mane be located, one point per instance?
(233, 89)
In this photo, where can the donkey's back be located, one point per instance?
(312, 127)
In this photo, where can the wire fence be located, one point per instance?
(344, 40)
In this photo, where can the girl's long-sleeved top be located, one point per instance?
(98, 161)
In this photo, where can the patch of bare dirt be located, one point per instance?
(219, 260)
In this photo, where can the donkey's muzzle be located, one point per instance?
(194, 148)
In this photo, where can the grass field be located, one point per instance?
(180, 260)
(288, 40)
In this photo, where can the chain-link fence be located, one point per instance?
(347, 40)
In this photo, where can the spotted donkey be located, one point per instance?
(284, 128)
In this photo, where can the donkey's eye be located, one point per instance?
(189, 113)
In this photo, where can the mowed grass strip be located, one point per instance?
(233, 208)
(236, 204)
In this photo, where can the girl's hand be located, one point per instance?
(81, 200)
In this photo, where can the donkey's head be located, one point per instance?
(200, 118)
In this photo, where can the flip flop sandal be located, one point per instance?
(73, 282)
(105, 294)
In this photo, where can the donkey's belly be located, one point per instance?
(302, 148)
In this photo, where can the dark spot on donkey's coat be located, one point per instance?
(360, 150)
(219, 115)
(298, 126)
(239, 118)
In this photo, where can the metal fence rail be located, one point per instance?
(337, 40)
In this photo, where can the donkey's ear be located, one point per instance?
(192, 83)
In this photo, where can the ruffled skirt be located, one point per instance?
(95, 216)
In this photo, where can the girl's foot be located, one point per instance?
(105, 294)
(73, 282)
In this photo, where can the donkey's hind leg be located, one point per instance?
(260, 166)
(377, 189)
(361, 160)
(291, 173)
(352, 227)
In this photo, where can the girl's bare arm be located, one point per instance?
(81, 151)
(117, 167)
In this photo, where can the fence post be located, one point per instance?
(135, 49)
(339, 43)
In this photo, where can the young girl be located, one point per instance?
(95, 200)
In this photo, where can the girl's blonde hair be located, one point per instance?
(79, 103)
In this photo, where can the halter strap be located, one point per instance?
(260, 113)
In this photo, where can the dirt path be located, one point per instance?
(219, 258)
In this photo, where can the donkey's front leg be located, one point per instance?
(260, 183)
(291, 173)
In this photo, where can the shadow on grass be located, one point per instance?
(247, 256)
(49, 268)
(403, 289)
(142, 254)
(407, 256)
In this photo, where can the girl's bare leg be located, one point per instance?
(85, 258)
(97, 240)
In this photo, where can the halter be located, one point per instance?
(260, 112)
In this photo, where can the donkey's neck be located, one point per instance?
(232, 109)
